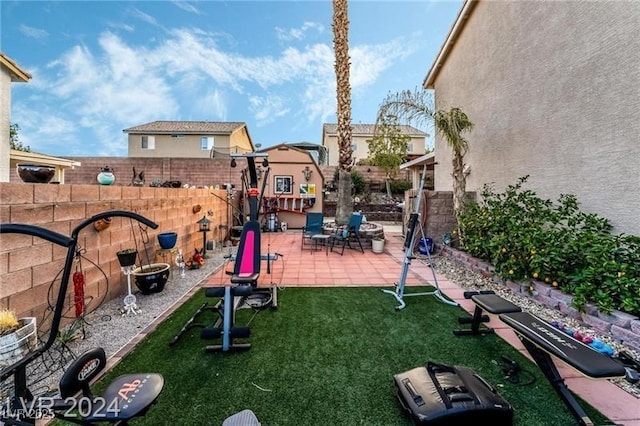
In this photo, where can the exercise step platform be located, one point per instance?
(485, 301)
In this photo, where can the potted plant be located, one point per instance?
(127, 257)
(377, 244)
(17, 336)
(151, 278)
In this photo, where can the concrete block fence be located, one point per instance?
(619, 325)
(28, 265)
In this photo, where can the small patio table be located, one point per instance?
(322, 239)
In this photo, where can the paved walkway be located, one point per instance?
(298, 268)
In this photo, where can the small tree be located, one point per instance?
(388, 149)
(416, 107)
(13, 139)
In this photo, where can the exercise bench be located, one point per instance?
(485, 300)
(542, 340)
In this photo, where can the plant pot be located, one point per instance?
(35, 173)
(102, 224)
(167, 240)
(377, 246)
(16, 345)
(106, 176)
(127, 257)
(151, 278)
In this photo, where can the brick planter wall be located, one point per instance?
(620, 326)
(29, 264)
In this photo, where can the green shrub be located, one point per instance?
(399, 186)
(357, 182)
(526, 237)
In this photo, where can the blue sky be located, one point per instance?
(100, 67)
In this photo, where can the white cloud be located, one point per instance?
(37, 33)
(187, 7)
(291, 34)
(144, 16)
(267, 109)
(122, 84)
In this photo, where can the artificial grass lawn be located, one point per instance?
(326, 357)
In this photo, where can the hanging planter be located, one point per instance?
(127, 257)
(102, 224)
(151, 278)
(17, 343)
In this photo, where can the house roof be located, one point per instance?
(17, 74)
(368, 129)
(187, 127)
(455, 31)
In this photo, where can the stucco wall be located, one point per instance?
(175, 147)
(554, 91)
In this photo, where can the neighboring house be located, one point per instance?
(188, 139)
(552, 88)
(293, 187)
(10, 72)
(361, 135)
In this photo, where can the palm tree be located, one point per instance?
(414, 107)
(344, 207)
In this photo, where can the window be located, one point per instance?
(179, 136)
(354, 147)
(206, 143)
(283, 184)
(409, 147)
(148, 142)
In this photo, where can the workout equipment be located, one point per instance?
(85, 367)
(485, 301)
(409, 245)
(542, 341)
(243, 291)
(439, 394)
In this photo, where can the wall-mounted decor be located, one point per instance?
(308, 190)
(283, 184)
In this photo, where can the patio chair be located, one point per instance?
(313, 226)
(349, 233)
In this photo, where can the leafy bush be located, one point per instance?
(526, 237)
(357, 182)
(399, 186)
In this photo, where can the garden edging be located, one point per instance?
(622, 327)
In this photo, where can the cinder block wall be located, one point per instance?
(28, 265)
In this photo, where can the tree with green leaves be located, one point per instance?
(388, 149)
(14, 142)
(344, 207)
(415, 107)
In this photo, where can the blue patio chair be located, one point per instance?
(313, 226)
(349, 233)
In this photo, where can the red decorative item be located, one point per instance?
(78, 292)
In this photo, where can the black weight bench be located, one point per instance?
(485, 301)
(543, 340)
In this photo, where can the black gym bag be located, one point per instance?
(450, 395)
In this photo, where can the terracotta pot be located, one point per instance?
(102, 224)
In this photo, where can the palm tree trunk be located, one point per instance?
(344, 207)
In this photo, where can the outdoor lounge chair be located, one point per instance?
(313, 226)
(349, 233)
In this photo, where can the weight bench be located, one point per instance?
(485, 301)
(543, 340)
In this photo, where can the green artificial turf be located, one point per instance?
(326, 356)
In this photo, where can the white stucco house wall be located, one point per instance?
(10, 72)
